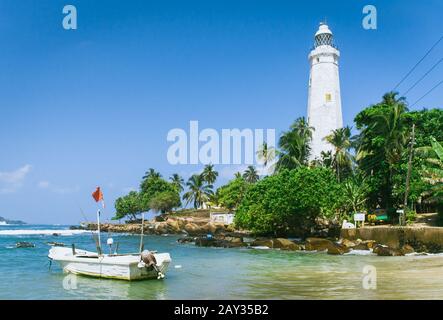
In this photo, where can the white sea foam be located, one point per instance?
(25, 232)
(3, 223)
(360, 253)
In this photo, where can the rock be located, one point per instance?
(263, 243)
(173, 226)
(348, 243)
(387, 251)
(338, 249)
(24, 244)
(406, 249)
(186, 240)
(318, 244)
(285, 244)
(193, 229)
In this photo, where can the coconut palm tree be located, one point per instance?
(151, 173)
(250, 175)
(266, 155)
(340, 139)
(238, 175)
(356, 193)
(433, 171)
(199, 192)
(177, 181)
(294, 145)
(382, 141)
(209, 175)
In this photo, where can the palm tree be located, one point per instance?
(382, 141)
(177, 181)
(237, 175)
(294, 145)
(151, 173)
(433, 171)
(340, 139)
(266, 155)
(356, 194)
(199, 192)
(250, 175)
(209, 175)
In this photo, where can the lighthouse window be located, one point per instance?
(328, 97)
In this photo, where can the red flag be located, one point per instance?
(98, 196)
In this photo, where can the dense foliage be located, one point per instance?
(360, 173)
(289, 199)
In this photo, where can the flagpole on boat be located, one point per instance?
(141, 234)
(98, 230)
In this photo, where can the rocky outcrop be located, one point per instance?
(318, 244)
(386, 251)
(277, 243)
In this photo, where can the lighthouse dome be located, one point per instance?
(323, 37)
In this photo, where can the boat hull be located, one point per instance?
(123, 267)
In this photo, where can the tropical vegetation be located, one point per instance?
(365, 169)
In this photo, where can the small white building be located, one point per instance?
(222, 217)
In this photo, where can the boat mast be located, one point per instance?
(98, 230)
(141, 234)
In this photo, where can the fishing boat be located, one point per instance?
(132, 266)
(137, 266)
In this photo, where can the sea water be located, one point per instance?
(212, 273)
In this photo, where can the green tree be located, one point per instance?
(164, 202)
(289, 201)
(433, 171)
(198, 192)
(381, 143)
(250, 175)
(266, 155)
(130, 205)
(151, 173)
(230, 195)
(294, 146)
(340, 139)
(177, 182)
(209, 175)
(355, 193)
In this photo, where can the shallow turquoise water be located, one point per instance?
(215, 273)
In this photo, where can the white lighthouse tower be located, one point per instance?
(324, 101)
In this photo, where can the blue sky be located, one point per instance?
(93, 106)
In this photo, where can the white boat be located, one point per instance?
(142, 265)
(113, 266)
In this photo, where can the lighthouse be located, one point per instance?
(324, 101)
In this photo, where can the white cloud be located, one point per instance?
(13, 180)
(57, 189)
(43, 184)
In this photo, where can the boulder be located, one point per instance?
(318, 244)
(338, 249)
(186, 240)
(406, 249)
(193, 229)
(348, 243)
(263, 243)
(173, 226)
(386, 251)
(365, 245)
(285, 244)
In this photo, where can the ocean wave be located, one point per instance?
(30, 232)
(3, 223)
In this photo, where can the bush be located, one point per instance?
(289, 201)
(165, 201)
